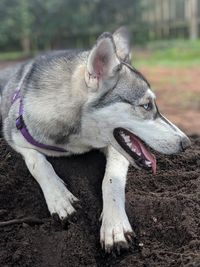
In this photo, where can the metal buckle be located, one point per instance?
(19, 122)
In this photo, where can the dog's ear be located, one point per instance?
(122, 42)
(103, 63)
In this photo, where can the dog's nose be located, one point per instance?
(185, 143)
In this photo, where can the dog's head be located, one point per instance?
(121, 109)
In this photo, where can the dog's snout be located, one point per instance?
(185, 143)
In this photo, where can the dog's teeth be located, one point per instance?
(129, 144)
(127, 139)
(148, 163)
(136, 151)
(124, 136)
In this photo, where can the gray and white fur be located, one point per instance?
(74, 100)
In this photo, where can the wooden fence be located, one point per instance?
(172, 18)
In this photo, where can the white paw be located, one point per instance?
(59, 199)
(115, 231)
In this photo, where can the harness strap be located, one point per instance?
(21, 126)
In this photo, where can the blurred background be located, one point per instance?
(165, 38)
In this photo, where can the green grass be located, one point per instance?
(9, 56)
(170, 53)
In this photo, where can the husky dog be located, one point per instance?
(69, 102)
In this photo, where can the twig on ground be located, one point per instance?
(28, 220)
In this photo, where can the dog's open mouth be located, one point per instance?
(136, 148)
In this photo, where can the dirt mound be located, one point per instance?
(164, 211)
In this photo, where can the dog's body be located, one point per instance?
(80, 100)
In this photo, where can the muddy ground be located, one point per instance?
(164, 211)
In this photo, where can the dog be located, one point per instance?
(70, 102)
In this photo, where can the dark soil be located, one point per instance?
(164, 211)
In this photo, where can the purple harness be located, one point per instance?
(21, 126)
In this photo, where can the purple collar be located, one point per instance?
(21, 126)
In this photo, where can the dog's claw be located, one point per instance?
(108, 249)
(77, 205)
(120, 245)
(115, 232)
(130, 236)
(64, 222)
(118, 249)
(55, 217)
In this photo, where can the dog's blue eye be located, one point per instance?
(147, 106)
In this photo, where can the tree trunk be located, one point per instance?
(26, 45)
(193, 5)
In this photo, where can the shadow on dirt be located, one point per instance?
(164, 211)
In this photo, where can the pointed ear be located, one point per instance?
(102, 62)
(122, 42)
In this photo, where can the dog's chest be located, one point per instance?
(77, 145)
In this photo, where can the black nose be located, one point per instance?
(185, 143)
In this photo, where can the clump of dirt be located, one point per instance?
(164, 211)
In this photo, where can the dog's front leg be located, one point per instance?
(58, 198)
(115, 228)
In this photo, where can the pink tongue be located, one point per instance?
(148, 155)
